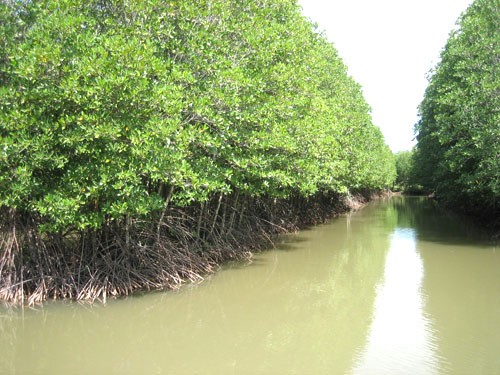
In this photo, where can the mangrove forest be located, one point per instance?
(142, 143)
(457, 156)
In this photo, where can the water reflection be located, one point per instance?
(376, 292)
(463, 286)
(432, 223)
(302, 308)
(401, 339)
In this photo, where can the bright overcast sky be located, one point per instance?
(389, 47)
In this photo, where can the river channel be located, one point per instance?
(398, 287)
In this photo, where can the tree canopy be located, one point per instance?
(109, 109)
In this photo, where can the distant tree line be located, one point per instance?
(458, 151)
(405, 179)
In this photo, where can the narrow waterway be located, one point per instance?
(398, 287)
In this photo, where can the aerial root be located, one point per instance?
(184, 246)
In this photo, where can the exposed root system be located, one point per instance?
(179, 245)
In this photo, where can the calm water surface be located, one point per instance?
(396, 288)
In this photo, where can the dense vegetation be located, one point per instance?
(404, 170)
(458, 150)
(133, 128)
(406, 180)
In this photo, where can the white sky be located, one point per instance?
(389, 47)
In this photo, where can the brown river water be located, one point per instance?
(398, 287)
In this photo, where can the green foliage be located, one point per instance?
(404, 164)
(106, 108)
(405, 169)
(458, 150)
